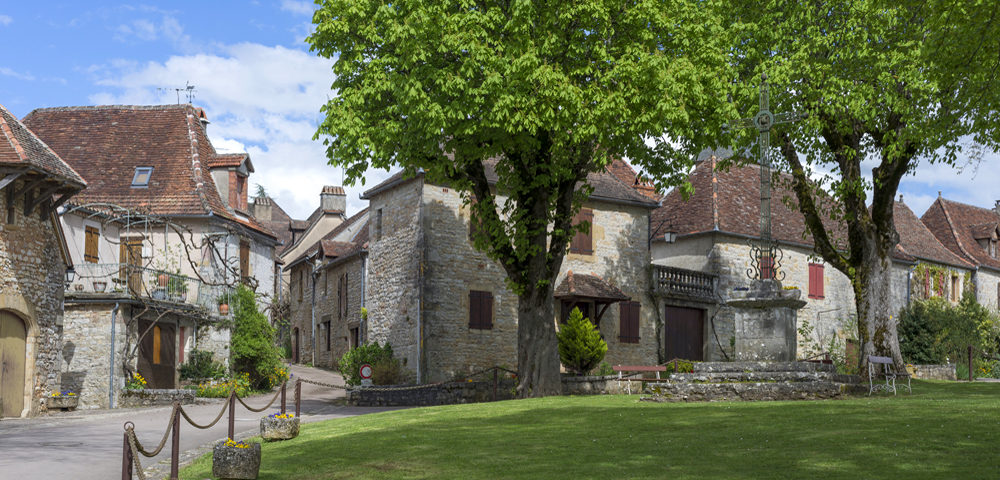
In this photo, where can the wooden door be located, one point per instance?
(130, 256)
(157, 354)
(13, 336)
(295, 345)
(684, 333)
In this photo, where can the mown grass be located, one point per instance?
(943, 430)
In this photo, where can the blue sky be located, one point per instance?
(261, 87)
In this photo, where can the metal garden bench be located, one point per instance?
(883, 368)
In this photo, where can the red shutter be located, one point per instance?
(816, 280)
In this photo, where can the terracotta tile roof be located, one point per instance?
(956, 226)
(985, 231)
(336, 249)
(729, 201)
(333, 248)
(332, 190)
(225, 160)
(280, 224)
(106, 143)
(917, 241)
(19, 147)
(627, 175)
(588, 286)
(607, 187)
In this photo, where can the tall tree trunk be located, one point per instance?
(873, 300)
(537, 346)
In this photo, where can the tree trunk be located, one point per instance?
(873, 300)
(537, 346)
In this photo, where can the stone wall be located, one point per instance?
(32, 278)
(329, 308)
(156, 397)
(475, 392)
(300, 315)
(392, 293)
(935, 372)
(87, 352)
(987, 284)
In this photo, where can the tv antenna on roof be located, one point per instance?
(188, 90)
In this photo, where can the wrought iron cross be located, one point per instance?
(765, 255)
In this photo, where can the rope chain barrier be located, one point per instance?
(218, 417)
(135, 448)
(258, 410)
(163, 442)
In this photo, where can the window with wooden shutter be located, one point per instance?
(480, 310)
(583, 243)
(628, 322)
(816, 280)
(91, 237)
(244, 260)
(301, 286)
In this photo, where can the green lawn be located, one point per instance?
(943, 430)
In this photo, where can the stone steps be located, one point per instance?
(760, 376)
(702, 392)
(745, 367)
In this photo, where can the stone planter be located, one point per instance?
(99, 286)
(236, 463)
(64, 402)
(272, 428)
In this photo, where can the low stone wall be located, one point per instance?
(154, 397)
(471, 392)
(934, 372)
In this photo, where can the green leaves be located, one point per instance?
(581, 347)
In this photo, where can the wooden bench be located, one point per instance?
(626, 372)
(884, 368)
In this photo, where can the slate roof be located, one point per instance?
(21, 148)
(106, 143)
(607, 187)
(956, 226)
(917, 241)
(588, 286)
(338, 249)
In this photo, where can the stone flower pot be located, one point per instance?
(274, 428)
(64, 401)
(232, 462)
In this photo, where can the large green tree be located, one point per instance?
(547, 91)
(887, 84)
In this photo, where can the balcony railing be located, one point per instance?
(145, 283)
(683, 283)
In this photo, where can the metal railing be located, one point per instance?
(682, 282)
(146, 283)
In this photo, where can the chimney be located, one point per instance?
(996, 206)
(202, 117)
(262, 209)
(333, 198)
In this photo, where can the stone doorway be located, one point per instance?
(157, 354)
(684, 333)
(13, 342)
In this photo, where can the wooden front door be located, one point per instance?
(684, 333)
(13, 336)
(130, 256)
(157, 354)
(295, 345)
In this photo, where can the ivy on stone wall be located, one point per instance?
(939, 278)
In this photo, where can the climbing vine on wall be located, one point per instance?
(932, 281)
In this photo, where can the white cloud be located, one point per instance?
(264, 100)
(297, 7)
(7, 72)
(168, 29)
(5, 20)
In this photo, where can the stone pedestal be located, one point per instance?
(765, 322)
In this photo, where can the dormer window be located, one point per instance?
(141, 177)
(993, 248)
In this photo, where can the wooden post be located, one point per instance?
(298, 397)
(175, 443)
(494, 384)
(126, 460)
(283, 384)
(232, 414)
(970, 363)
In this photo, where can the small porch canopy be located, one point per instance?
(576, 288)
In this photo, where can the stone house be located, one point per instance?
(444, 306)
(971, 233)
(326, 294)
(34, 261)
(701, 257)
(158, 239)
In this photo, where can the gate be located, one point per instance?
(684, 333)
(13, 336)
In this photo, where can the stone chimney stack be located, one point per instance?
(333, 198)
(262, 209)
(996, 206)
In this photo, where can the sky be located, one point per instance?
(260, 86)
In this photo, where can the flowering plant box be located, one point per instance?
(279, 426)
(236, 460)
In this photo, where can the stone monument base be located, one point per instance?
(765, 318)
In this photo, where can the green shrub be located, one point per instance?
(933, 331)
(253, 350)
(682, 366)
(370, 353)
(581, 347)
(213, 389)
(201, 366)
(603, 370)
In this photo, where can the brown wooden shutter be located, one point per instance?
(583, 243)
(474, 310)
(244, 259)
(628, 322)
(480, 310)
(91, 236)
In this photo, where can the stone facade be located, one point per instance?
(338, 315)
(423, 268)
(87, 352)
(32, 280)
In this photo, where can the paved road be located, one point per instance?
(87, 445)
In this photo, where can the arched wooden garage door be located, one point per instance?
(12, 343)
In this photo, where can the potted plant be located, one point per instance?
(162, 279)
(224, 304)
(100, 285)
(279, 426)
(63, 400)
(235, 459)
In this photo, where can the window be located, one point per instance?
(816, 280)
(141, 177)
(480, 310)
(956, 288)
(244, 260)
(301, 286)
(91, 237)
(583, 243)
(344, 300)
(628, 322)
(378, 224)
(326, 325)
(993, 248)
(326, 283)
(568, 307)
(355, 337)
